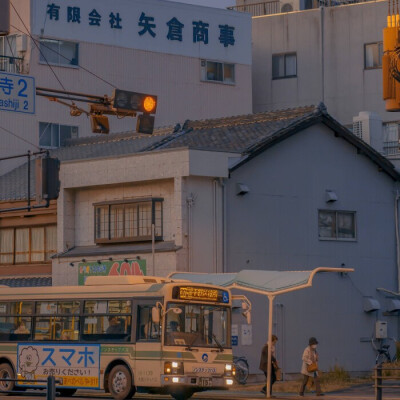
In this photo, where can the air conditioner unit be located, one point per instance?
(367, 126)
(290, 5)
(21, 43)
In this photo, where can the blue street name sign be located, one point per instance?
(17, 93)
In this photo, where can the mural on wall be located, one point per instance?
(110, 268)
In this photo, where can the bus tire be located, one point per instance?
(120, 383)
(66, 392)
(6, 372)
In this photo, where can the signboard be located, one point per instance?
(201, 294)
(150, 25)
(78, 366)
(110, 268)
(17, 93)
(247, 335)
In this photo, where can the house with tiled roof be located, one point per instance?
(283, 190)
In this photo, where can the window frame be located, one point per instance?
(380, 54)
(49, 125)
(204, 74)
(122, 204)
(284, 55)
(46, 252)
(61, 57)
(337, 238)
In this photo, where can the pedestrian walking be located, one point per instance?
(264, 362)
(309, 368)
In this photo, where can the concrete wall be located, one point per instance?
(329, 43)
(275, 226)
(173, 175)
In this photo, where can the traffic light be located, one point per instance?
(133, 101)
(4, 17)
(99, 123)
(47, 178)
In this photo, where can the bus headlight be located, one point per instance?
(229, 369)
(229, 381)
(173, 368)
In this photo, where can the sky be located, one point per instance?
(209, 3)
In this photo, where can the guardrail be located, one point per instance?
(380, 380)
(50, 387)
(11, 64)
(257, 9)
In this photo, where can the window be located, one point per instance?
(373, 53)
(391, 138)
(337, 225)
(27, 245)
(128, 221)
(217, 71)
(284, 65)
(59, 52)
(107, 320)
(54, 135)
(147, 329)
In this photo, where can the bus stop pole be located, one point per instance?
(269, 372)
(51, 388)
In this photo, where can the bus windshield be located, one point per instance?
(198, 325)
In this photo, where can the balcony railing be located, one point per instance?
(257, 9)
(11, 64)
(276, 7)
(391, 148)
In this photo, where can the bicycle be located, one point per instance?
(242, 369)
(383, 355)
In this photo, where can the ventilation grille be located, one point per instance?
(358, 129)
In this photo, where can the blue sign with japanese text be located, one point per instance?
(77, 365)
(17, 93)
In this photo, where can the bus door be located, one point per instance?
(148, 346)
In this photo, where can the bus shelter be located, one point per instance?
(267, 283)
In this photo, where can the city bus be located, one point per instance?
(118, 334)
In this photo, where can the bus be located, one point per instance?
(118, 334)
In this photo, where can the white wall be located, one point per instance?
(334, 75)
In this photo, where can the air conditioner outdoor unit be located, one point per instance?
(290, 5)
(367, 126)
(21, 43)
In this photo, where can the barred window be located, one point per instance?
(128, 221)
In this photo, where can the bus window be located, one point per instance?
(147, 329)
(107, 327)
(68, 307)
(21, 308)
(7, 326)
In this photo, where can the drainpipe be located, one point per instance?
(215, 226)
(322, 27)
(190, 204)
(396, 219)
(223, 205)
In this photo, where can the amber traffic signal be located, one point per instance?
(134, 101)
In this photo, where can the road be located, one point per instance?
(362, 392)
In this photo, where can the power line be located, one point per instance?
(19, 137)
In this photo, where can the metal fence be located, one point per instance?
(50, 392)
(11, 64)
(382, 374)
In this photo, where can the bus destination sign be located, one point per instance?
(200, 294)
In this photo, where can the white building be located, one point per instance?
(197, 60)
(325, 51)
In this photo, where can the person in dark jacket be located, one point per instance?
(264, 362)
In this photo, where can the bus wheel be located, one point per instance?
(182, 395)
(6, 372)
(66, 392)
(120, 383)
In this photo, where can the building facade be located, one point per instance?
(255, 192)
(193, 58)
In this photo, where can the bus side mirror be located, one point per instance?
(155, 315)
